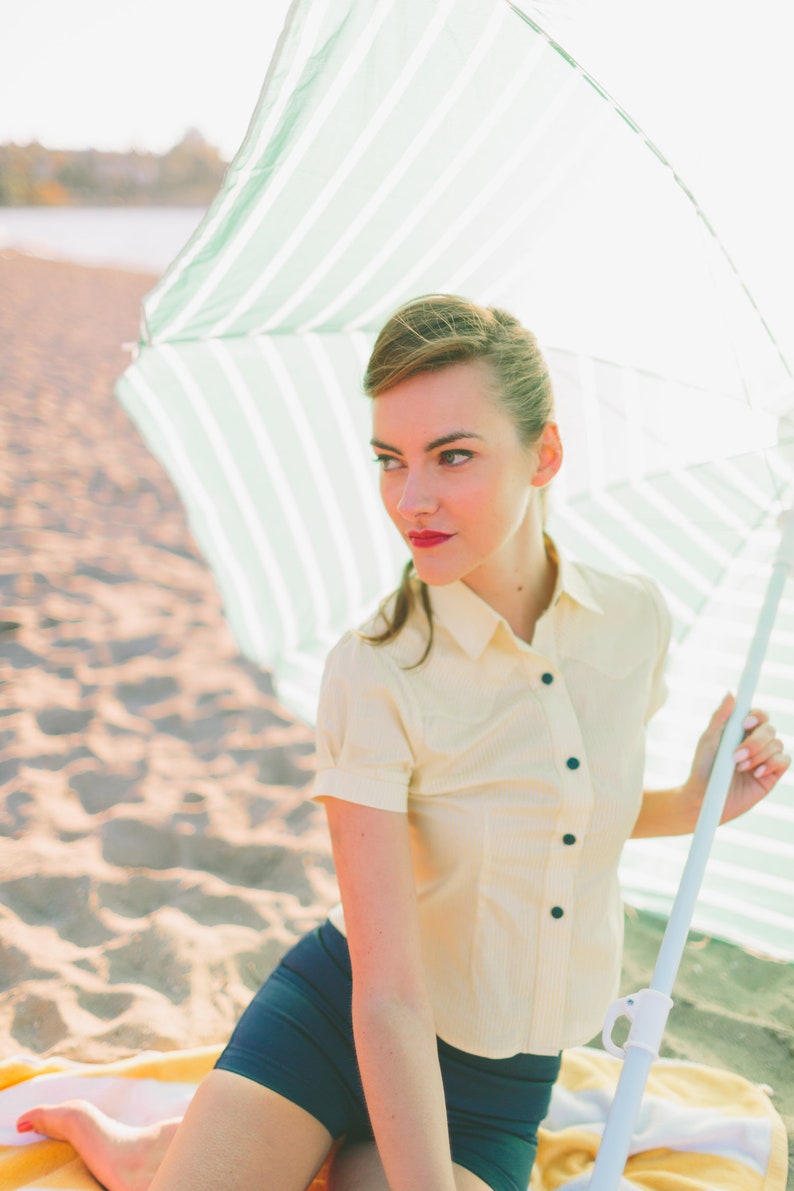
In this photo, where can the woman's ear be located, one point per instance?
(549, 455)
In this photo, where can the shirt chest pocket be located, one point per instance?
(616, 654)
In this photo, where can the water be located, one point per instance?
(141, 239)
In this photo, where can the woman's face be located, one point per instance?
(455, 479)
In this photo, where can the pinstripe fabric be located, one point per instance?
(520, 768)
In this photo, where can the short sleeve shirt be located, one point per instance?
(520, 768)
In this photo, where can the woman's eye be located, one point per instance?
(387, 462)
(454, 458)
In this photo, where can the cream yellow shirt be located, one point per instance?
(520, 768)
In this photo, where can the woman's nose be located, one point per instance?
(417, 498)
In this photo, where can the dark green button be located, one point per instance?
(568, 838)
(557, 911)
(547, 678)
(572, 762)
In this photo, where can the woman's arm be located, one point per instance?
(392, 1019)
(760, 763)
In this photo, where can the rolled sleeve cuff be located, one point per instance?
(366, 789)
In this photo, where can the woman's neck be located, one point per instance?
(521, 593)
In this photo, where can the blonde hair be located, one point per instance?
(435, 332)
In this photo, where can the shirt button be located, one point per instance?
(557, 911)
(547, 678)
(572, 762)
(568, 838)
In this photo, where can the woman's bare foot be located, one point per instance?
(120, 1157)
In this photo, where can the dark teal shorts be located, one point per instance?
(296, 1037)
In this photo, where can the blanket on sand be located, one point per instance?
(700, 1129)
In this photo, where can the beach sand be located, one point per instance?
(158, 851)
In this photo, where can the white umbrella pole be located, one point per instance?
(648, 1009)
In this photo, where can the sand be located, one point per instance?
(158, 851)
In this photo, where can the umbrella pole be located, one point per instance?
(649, 1009)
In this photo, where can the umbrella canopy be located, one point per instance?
(402, 148)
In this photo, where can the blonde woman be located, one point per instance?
(480, 750)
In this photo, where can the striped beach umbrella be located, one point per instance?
(402, 148)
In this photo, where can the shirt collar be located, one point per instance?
(473, 623)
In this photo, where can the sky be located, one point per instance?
(112, 74)
(709, 80)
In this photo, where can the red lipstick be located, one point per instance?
(427, 537)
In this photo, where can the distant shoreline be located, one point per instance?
(137, 239)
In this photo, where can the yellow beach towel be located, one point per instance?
(700, 1129)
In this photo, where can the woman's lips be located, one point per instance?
(425, 539)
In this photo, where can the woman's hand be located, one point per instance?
(760, 760)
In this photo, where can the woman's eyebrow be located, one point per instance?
(453, 436)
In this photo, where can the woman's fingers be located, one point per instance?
(756, 747)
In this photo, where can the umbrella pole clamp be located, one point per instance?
(647, 1010)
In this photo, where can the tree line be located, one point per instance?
(35, 176)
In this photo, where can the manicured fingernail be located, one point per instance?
(741, 754)
(24, 1127)
(752, 721)
(760, 771)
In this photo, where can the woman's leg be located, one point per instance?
(236, 1134)
(357, 1167)
(242, 1136)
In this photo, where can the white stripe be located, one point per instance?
(638, 468)
(366, 488)
(362, 344)
(388, 184)
(743, 874)
(737, 479)
(471, 209)
(722, 627)
(344, 169)
(267, 557)
(691, 685)
(217, 217)
(739, 906)
(688, 527)
(706, 497)
(649, 880)
(591, 412)
(186, 476)
(287, 167)
(735, 599)
(756, 843)
(703, 658)
(622, 561)
(782, 470)
(775, 810)
(287, 507)
(540, 191)
(431, 198)
(643, 533)
(347, 573)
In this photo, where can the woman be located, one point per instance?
(479, 752)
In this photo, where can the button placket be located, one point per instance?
(575, 809)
